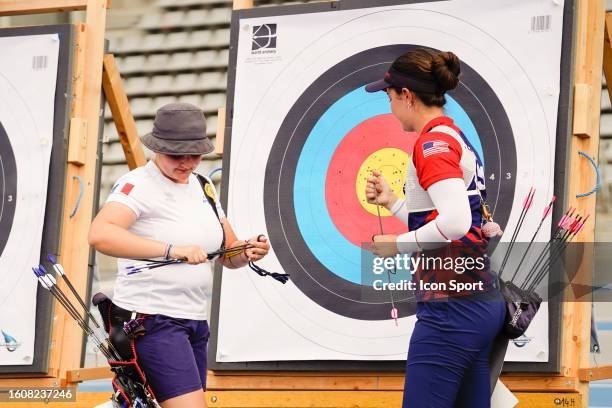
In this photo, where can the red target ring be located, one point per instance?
(347, 171)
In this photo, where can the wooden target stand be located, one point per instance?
(307, 389)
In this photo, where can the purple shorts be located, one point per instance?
(173, 354)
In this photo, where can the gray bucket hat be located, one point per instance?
(179, 128)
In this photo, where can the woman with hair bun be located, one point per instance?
(448, 357)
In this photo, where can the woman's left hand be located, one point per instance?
(261, 246)
(385, 245)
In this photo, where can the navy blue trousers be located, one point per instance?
(448, 358)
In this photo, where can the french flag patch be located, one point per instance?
(434, 146)
(127, 188)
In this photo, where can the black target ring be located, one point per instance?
(8, 188)
(317, 282)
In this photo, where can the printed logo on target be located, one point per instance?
(264, 39)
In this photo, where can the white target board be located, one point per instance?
(303, 130)
(28, 71)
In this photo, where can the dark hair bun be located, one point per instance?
(445, 68)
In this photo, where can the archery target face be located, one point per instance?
(28, 73)
(344, 134)
(305, 134)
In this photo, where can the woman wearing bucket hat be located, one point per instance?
(448, 357)
(162, 210)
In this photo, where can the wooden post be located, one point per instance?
(74, 251)
(220, 137)
(589, 58)
(602, 372)
(607, 57)
(122, 115)
(21, 7)
(242, 4)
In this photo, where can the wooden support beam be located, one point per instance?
(234, 399)
(607, 55)
(549, 400)
(74, 252)
(540, 383)
(220, 137)
(27, 381)
(77, 142)
(60, 316)
(337, 382)
(86, 374)
(122, 115)
(582, 110)
(576, 318)
(589, 59)
(595, 373)
(19, 7)
(279, 381)
(366, 381)
(242, 4)
(346, 399)
(299, 399)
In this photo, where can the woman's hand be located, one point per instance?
(378, 190)
(193, 254)
(259, 250)
(385, 245)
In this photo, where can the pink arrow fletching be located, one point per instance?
(568, 217)
(549, 207)
(546, 211)
(563, 223)
(531, 199)
(574, 225)
(526, 200)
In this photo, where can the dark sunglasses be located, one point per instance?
(179, 157)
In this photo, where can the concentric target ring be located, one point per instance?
(8, 188)
(327, 287)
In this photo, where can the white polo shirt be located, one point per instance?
(174, 213)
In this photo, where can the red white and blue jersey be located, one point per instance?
(441, 152)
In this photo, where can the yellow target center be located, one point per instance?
(392, 163)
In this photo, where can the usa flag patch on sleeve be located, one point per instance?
(435, 146)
